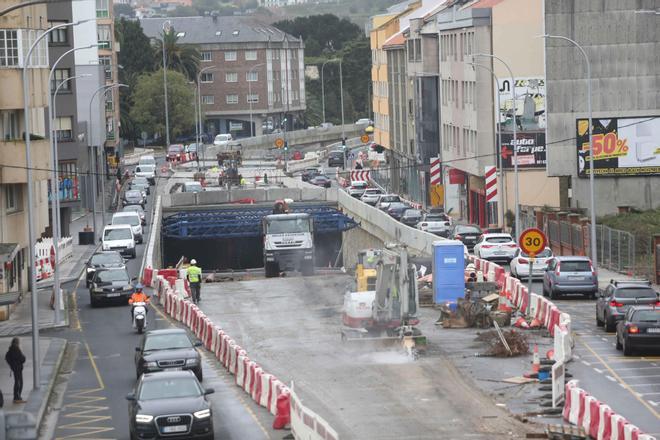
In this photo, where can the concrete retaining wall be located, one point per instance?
(306, 193)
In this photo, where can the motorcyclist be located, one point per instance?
(137, 297)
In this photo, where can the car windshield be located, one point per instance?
(140, 181)
(635, 292)
(146, 169)
(222, 137)
(133, 194)
(167, 341)
(287, 226)
(502, 239)
(575, 266)
(398, 205)
(134, 208)
(193, 187)
(109, 258)
(646, 316)
(412, 213)
(467, 230)
(390, 199)
(436, 218)
(108, 276)
(175, 149)
(132, 220)
(547, 253)
(373, 192)
(147, 161)
(169, 389)
(117, 234)
(359, 185)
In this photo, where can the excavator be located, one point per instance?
(365, 270)
(389, 311)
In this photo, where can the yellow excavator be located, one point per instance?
(365, 270)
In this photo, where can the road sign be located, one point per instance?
(364, 138)
(143, 135)
(532, 241)
(279, 142)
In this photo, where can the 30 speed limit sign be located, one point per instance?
(532, 241)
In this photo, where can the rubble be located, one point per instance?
(517, 342)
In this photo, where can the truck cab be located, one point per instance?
(288, 243)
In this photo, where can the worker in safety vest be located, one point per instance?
(195, 280)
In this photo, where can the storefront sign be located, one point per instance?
(622, 146)
(530, 104)
(531, 150)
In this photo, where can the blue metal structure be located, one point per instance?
(245, 222)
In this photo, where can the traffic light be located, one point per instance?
(286, 145)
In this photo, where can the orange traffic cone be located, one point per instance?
(550, 354)
(521, 323)
(535, 323)
(536, 362)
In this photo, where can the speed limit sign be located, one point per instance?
(532, 241)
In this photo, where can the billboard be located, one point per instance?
(622, 146)
(531, 150)
(530, 104)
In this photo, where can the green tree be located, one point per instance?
(325, 33)
(180, 57)
(148, 110)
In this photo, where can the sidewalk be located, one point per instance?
(605, 275)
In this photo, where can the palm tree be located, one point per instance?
(180, 57)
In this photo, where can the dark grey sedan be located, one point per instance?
(411, 217)
(618, 297)
(103, 260)
(110, 284)
(321, 180)
(396, 209)
(165, 349)
(133, 197)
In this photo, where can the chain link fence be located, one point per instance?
(616, 249)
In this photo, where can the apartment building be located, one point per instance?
(18, 30)
(254, 70)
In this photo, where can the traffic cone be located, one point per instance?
(535, 323)
(536, 361)
(521, 323)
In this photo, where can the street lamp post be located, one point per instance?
(198, 104)
(55, 203)
(592, 202)
(250, 95)
(341, 98)
(514, 143)
(166, 29)
(104, 175)
(323, 88)
(36, 367)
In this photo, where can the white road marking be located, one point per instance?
(586, 363)
(598, 370)
(639, 377)
(611, 378)
(654, 403)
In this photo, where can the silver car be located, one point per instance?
(618, 297)
(371, 196)
(565, 275)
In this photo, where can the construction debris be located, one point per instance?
(516, 341)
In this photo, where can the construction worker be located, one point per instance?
(194, 276)
(137, 297)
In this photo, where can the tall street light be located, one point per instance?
(341, 91)
(499, 138)
(514, 142)
(166, 29)
(104, 175)
(198, 104)
(592, 202)
(55, 203)
(250, 94)
(36, 366)
(323, 88)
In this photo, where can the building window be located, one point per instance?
(232, 99)
(104, 34)
(106, 60)
(252, 99)
(58, 36)
(252, 76)
(250, 55)
(102, 10)
(63, 128)
(69, 188)
(231, 77)
(208, 99)
(230, 56)
(59, 79)
(13, 197)
(109, 128)
(207, 77)
(9, 125)
(206, 56)
(8, 48)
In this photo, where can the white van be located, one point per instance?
(222, 140)
(133, 220)
(119, 238)
(147, 160)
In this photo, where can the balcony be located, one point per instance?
(12, 160)
(102, 13)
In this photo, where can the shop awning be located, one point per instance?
(8, 251)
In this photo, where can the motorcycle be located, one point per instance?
(140, 316)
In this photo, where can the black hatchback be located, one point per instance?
(336, 159)
(468, 234)
(639, 329)
(170, 405)
(167, 349)
(110, 284)
(103, 260)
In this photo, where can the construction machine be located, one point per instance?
(389, 312)
(365, 270)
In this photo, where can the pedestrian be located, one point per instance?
(194, 276)
(15, 358)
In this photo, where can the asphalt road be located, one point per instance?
(98, 371)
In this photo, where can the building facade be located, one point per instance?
(256, 72)
(625, 97)
(18, 30)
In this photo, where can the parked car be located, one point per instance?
(133, 220)
(639, 329)
(364, 121)
(192, 186)
(110, 284)
(321, 180)
(496, 247)
(383, 202)
(170, 405)
(146, 171)
(568, 274)
(396, 209)
(520, 264)
(103, 260)
(435, 223)
(468, 234)
(357, 188)
(222, 140)
(139, 210)
(411, 217)
(336, 158)
(166, 349)
(133, 197)
(119, 238)
(175, 152)
(308, 173)
(371, 196)
(619, 295)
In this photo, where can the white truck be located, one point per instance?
(288, 243)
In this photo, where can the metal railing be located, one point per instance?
(616, 249)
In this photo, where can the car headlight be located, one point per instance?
(143, 418)
(97, 290)
(131, 245)
(90, 270)
(192, 361)
(203, 414)
(150, 364)
(128, 287)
